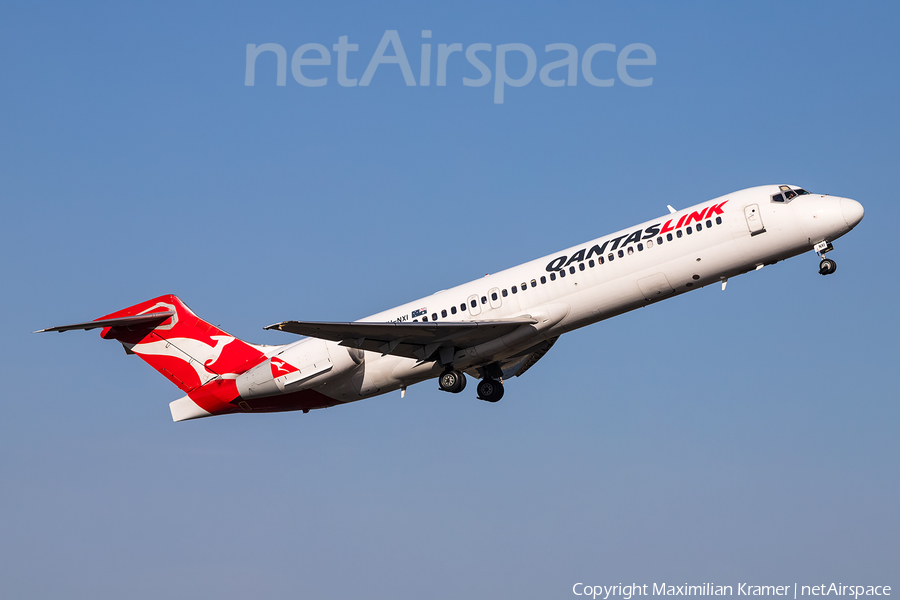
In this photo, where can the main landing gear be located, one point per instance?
(826, 265)
(490, 390)
(454, 382)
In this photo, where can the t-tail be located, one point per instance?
(199, 358)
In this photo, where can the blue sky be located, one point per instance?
(748, 435)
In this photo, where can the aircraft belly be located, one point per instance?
(655, 287)
(381, 374)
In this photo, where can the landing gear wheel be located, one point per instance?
(827, 266)
(490, 390)
(452, 381)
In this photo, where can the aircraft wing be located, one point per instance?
(411, 340)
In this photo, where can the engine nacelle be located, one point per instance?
(306, 364)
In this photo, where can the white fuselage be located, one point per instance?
(682, 251)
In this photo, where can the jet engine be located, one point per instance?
(309, 363)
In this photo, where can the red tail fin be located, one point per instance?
(186, 349)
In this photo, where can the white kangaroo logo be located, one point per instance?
(279, 365)
(194, 352)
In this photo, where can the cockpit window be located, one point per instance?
(787, 194)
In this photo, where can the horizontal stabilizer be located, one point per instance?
(145, 320)
(185, 409)
(411, 340)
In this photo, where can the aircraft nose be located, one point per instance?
(853, 211)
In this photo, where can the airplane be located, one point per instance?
(491, 329)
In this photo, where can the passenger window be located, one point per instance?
(718, 220)
(599, 260)
(669, 237)
(504, 293)
(659, 240)
(514, 289)
(474, 303)
(534, 283)
(591, 263)
(434, 316)
(462, 307)
(453, 310)
(678, 233)
(572, 270)
(444, 313)
(484, 299)
(543, 279)
(621, 253)
(699, 227)
(425, 319)
(494, 296)
(708, 224)
(581, 266)
(689, 230)
(552, 276)
(649, 243)
(524, 286)
(641, 247)
(562, 273)
(611, 256)
(630, 250)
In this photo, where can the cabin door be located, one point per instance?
(754, 219)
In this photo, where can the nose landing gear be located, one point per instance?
(826, 265)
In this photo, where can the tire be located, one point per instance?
(827, 266)
(452, 381)
(490, 390)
